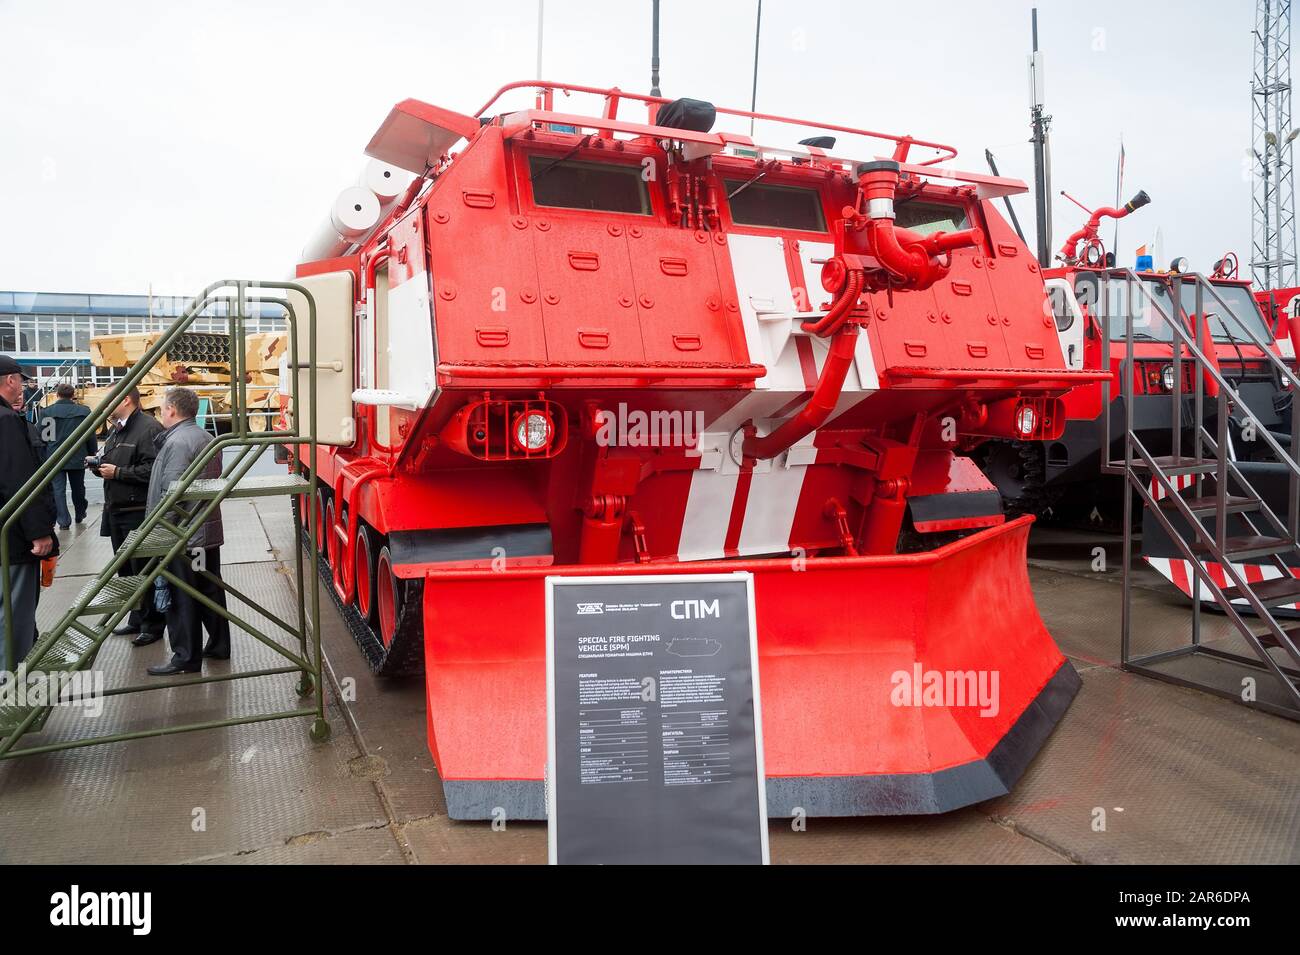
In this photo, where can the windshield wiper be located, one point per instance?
(569, 155)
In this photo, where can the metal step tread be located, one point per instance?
(1268, 640)
(1278, 590)
(1206, 505)
(113, 595)
(261, 485)
(1248, 545)
(63, 654)
(1168, 464)
(158, 542)
(12, 715)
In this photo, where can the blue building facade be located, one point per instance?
(49, 332)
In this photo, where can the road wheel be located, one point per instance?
(330, 539)
(388, 594)
(364, 574)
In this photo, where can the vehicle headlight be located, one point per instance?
(1026, 420)
(532, 431)
(1167, 377)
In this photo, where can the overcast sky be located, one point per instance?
(175, 142)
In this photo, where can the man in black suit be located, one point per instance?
(125, 466)
(31, 537)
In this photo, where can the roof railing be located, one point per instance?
(946, 152)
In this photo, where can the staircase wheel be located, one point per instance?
(389, 592)
(364, 575)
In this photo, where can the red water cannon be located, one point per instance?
(906, 260)
(1093, 252)
(872, 254)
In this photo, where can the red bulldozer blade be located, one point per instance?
(900, 684)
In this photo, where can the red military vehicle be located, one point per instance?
(1063, 475)
(582, 343)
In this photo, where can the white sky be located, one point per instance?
(181, 142)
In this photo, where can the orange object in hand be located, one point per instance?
(47, 571)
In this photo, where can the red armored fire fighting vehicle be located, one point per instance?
(1064, 474)
(582, 343)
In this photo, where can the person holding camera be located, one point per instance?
(125, 465)
(31, 537)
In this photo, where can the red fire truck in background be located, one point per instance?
(582, 343)
(1063, 475)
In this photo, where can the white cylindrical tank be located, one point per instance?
(385, 181)
(355, 212)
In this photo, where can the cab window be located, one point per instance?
(927, 218)
(578, 184)
(775, 207)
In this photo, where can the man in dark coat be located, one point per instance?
(31, 536)
(125, 466)
(178, 447)
(58, 421)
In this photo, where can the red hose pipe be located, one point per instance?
(819, 407)
(840, 308)
(1070, 251)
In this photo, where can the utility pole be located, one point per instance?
(753, 95)
(541, 6)
(1043, 212)
(654, 51)
(1273, 225)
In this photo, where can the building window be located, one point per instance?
(8, 336)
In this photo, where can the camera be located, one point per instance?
(93, 464)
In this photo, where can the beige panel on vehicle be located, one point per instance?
(382, 422)
(333, 295)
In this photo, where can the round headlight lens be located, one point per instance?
(1167, 377)
(1026, 420)
(532, 431)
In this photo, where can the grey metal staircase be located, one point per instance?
(74, 641)
(1221, 519)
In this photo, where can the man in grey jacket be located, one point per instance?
(178, 446)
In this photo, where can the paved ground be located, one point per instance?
(1175, 775)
